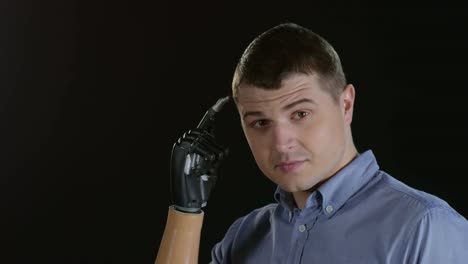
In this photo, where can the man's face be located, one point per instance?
(298, 134)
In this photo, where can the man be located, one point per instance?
(334, 205)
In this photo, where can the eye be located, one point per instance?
(259, 123)
(300, 114)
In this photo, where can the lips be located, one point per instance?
(289, 166)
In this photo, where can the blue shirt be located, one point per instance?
(360, 215)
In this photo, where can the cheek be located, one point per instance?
(258, 146)
(322, 134)
(260, 154)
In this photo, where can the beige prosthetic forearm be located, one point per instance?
(181, 238)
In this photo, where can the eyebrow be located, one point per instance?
(300, 101)
(287, 107)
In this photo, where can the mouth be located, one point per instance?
(289, 166)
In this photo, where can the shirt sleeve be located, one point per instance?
(221, 252)
(441, 236)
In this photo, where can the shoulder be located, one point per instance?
(416, 207)
(398, 206)
(434, 232)
(417, 200)
(427, 226)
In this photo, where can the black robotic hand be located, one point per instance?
(195, 160)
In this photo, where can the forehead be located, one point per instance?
(294, 87)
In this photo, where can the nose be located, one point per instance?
(283, 138)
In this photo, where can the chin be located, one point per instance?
(298, 186)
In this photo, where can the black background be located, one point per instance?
(93, 95)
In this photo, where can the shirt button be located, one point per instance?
(302, 228)
(329, 208)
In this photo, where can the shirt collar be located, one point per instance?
(284, 198)
(339, 188)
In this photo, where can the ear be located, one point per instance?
(347, 103)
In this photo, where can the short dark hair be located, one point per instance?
(286, 49)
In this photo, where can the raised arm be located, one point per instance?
(195, 159)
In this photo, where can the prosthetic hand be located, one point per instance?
(195, 159)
